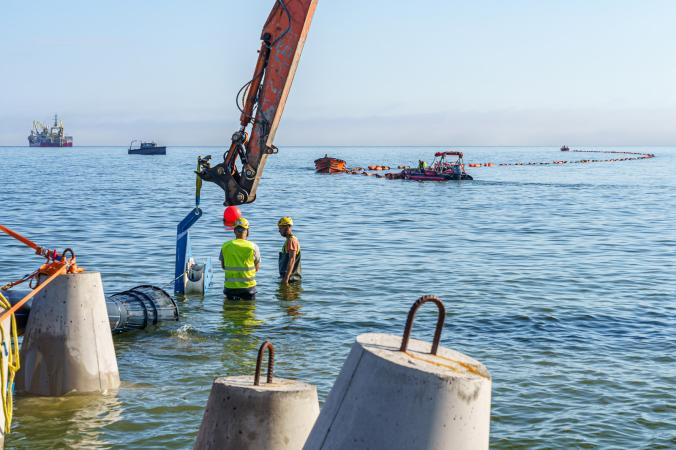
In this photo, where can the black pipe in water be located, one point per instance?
(133, 309)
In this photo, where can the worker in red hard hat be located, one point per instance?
(240, 259)
(289, 257)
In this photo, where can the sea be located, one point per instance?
(561, 279)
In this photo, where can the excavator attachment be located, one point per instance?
(263, 99)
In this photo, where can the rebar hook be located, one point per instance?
(271, 361)
(411, 315)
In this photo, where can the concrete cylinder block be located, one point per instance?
(425, 397)
(68, 345)
(243, 414)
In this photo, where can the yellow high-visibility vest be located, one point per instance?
(238, 261)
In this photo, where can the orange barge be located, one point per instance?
(328, 164)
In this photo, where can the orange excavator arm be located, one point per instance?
(263, 102)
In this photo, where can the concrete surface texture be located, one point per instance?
(241, 416)
(67, 345)
(387, 399)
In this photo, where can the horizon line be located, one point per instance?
(366, 146)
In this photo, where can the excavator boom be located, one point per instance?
(264, 97)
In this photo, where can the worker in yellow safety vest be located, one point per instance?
(240, 259)
(289, 257)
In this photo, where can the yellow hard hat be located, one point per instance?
(285, 221)
(242, 223)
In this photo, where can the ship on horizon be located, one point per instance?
(44, 136)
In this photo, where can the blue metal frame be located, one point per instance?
(183, 248)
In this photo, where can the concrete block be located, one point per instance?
(384, 398)
(270, 416)
(68, 345)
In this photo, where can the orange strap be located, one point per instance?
(18, 237)
(31, 294)
(51, 267)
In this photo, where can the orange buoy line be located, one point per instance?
(638, 155)
(631, 156)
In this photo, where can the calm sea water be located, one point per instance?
(560, 279)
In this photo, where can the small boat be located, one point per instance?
(439, 170)
(146, 148)
(565, 148)
(328, 164)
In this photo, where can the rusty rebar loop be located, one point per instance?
(65, 259)
(411, 315)
(271, 362)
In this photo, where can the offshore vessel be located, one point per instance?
(44, 136)
(146, 148)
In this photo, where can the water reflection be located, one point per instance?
(79, 420)
(289, 294)
(239, 317)
(240, 339)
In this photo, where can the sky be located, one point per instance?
(373, 72)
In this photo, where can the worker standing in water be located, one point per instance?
(240, 259)
(289, 257)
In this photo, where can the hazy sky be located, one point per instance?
(374, 72)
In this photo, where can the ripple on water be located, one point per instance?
(559, 279)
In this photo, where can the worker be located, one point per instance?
(422, 165)
(240, 259)
(289, 257)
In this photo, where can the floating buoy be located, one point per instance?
(398, 394)
(244, 414)
(230, 215)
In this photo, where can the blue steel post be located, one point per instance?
(183, 250)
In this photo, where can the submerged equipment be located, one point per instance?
(134, 309)
(140, 307)
(191, 275)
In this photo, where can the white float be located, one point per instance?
(399, 394)
(243, 414)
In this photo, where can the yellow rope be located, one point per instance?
(13, 364)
